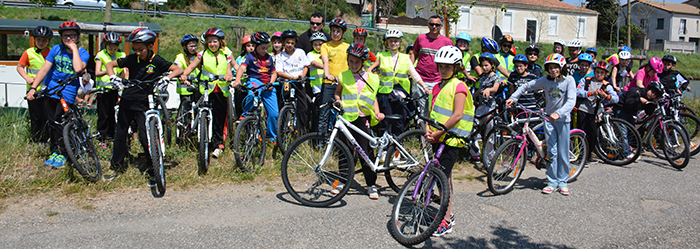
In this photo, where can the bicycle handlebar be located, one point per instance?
(58, 88)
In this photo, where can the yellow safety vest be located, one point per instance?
(444, 108)
(214, 65)
(36, 61)
(507, 63)
(316, 73)
(182, 87)
(391, 76)
(352, 103)
(103, 81)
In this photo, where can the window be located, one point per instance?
(553, 25)
(465, 19)
(643, 23)
(660, 23)
(581, 27)
(681, 28)
(507, 22)
(659, 41)
(682, 39)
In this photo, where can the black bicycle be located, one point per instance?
(289, 128)
(249, 140)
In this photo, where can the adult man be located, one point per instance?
(425, 47)
(315, 25)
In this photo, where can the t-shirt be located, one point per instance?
(571, 66)
(304, 40)
(293, 64)
(577, 75)
(62, 68)
(528, 99)
(425, 49)
(485, 105)
(337, 57)
(646, 79)
(259, 68)
(535, 69)
(671, 80)
(136, 98)
(560, 96)
(461, 88)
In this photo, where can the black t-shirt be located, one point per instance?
(571, 66)
(304, 43)
(136, 98)
(535, 69)
(668, 79)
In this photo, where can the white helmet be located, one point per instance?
(624, 55)
(449, 55)
(393, 33)
(576, 43)
(318, 36)
(560, 41)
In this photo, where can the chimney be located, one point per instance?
(583, 5)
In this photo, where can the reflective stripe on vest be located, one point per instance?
(36, 61)
(214, 65)
(391, 75)
(352, 103)
(182, 87)
(103, 81)
(316, 73)
(444, 108)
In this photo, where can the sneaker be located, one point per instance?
(102, 145)
(217, 152)
(564, 190)
(337, 189)
(630, 156)
(59, 162)
(452, 219)
(151, 182)
(109, 176)
(443, 229)
(51, 159)
(548, 190)
(373, 194)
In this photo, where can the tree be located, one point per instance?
(636, 32)
(608, 18)
(451, 8)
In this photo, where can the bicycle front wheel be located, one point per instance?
(613, 137)
(249, 144)
(578, 153)
(506, 167)
(311, 183)
(167, 123)
(154, 142)
(415, 143)
(491, 143)
(676, 146)
(80, 149)
(287, 130)
(420, 207)
(203, 130)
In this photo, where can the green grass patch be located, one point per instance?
(51, 213)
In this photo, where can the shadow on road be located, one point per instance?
(285, 197)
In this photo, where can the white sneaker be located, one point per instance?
(217, 152)
(630, 156)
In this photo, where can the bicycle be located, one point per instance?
(423, 201)
(316, 164)
(288, 126)
(664, 132)
(509, 161)
(609, 145)
(249, 140)
(77, 139)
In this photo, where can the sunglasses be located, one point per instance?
(317, 23)
(69, 36)
(529, 54)
(435, 24)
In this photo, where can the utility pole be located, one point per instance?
(108, 11)
(629, 28)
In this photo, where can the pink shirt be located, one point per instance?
(425, 49)
(461, 88)
(360, 81)
(642, 74)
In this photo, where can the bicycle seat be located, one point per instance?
(393, 118)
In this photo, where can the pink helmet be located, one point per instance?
(656, 64)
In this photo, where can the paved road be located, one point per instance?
(647, 205)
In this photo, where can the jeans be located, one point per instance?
(557, 135)
(269, 99)
(629, 118)
(327, 94)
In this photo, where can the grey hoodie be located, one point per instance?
(559, 95)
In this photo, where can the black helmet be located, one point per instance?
(68, 25)
(670, 58)
(358, 50)
(142, 35)
(532, 48)
(656, 86)
(340, 23)
(214, 32)
(42, 31)
(187, 39)
(260, 37)
(112, 37)
(290, 33)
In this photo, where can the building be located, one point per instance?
(665, 23)
(543, 21)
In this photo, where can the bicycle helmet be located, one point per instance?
(69, 25)
(520, 58)
(656, 64)
(112, 37)
(340, 23)
(488, 56)
(359, 31)
(532, 48)
(409, 48)
(187, 39)
(557, 59)
(449, 55)
(489, 44)
(142, 35)
(359, 51)
(656, 86)
(601, 65)
(276, 35)
(246, 39)
(592, 50)
(260, 37)
(670, 58)
(624, 55)
(464, 36)
(43, 31)
(585, 57)
(505, 38)
(290, 33)
(561, 42)
(214, 32)
(318, 36)
(575, 43)
(393, 33)
(625, 48)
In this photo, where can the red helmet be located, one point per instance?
(69, 25)
(340, 23)
(359, 31)
(246, 39)
(358, 50)
(260, 37)
(215, 32)
(505, 38)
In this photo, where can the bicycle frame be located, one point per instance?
(154, 113)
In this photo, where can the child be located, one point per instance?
(589, 91)
(489, 83)
(394, 68)
(519, 78)
(294, 64)
(647, 73)
(634, 100)
(533, 53)
(593, 52)
(183, 60)
(316, 67)
(452, 106)
(143, 65)
(108, 100)
(504, 56)
(334, 57)
(246, 48)
(260, 68)
(29, 64)
(463, 40)
(63, 61)
(359, 36)
(575, 46)
(670, 78)
(584, 64)
(559, 46)
(356, 92)
(277, 44)
(560, 94)
(488, 45)
(214, 61)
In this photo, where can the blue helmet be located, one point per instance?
(187, 38)
(464, 36)
(585, 57)
(488, 56)
(625, 48)
(520, 58)
(489, 44)
(592, 50)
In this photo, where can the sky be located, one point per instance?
(578, 2)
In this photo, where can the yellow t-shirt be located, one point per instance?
(337, 57)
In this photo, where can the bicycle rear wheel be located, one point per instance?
(491, 143)
(414, 220)
(203, 130)
(506, 167)
(691, 123)
(613, 137)
(154, 143)
(676, 146)
(415, 143)
(578, 153)
(81, 150)
(167, 123)
(182, 123)
(311, 184)
(249, 144)
(287, 130)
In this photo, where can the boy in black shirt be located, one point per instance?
(671, 79)
(143, 65)
(533, 53)
(519, 77)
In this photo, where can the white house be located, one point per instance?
(543, 21)
(662, 21)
